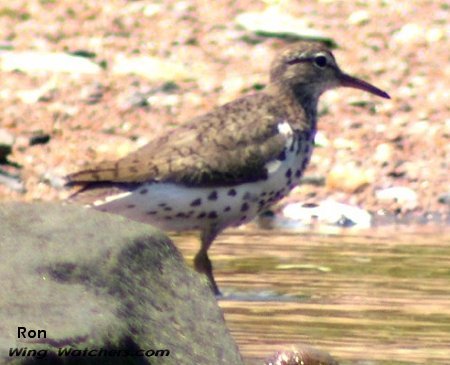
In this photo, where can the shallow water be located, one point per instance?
(369, 297)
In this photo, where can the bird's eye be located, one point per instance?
(320, 61)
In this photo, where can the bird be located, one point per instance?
(223, 168)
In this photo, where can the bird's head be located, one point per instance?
(310, 68)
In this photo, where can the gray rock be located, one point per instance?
(93, 280)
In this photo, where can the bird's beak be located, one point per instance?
(350, 81)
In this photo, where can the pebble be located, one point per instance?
(328, 212)
(359, 17)
(137, 99)
(435, 35)
(275, 23)
(383, 153)
(36, 95)
(444, 198)
(420, 128)
(315, 180)
(406, 197)
(345, 144)
(151, 10)
(413, 33)
(409, 33)
(40, 61)
(40, 138)
(302, 355)
(54, 180)
(12, 182)
(6, 143)
(348, 178)
(93, 93)
(172, 100)
(152, 68)
(321, 139)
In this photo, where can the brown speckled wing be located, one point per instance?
(229, 145)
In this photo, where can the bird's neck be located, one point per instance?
(300, 102)
(308, 101)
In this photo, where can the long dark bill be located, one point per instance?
(350, 81)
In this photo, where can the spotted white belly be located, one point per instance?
(176, 207)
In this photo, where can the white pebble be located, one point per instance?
(359, 17)
(403, 195)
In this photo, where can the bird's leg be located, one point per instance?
(202, 262)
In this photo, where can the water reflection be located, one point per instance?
(370, 297)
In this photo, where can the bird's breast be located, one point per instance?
(284, 172)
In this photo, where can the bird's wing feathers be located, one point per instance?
(223, 146)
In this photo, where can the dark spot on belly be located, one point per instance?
(298, 173)
(244, 207)
(168, 217)
(143, 191)
(196, 202)
(151, 212)
(202, 215)
(227, 209)
(131, 206)
(243, 218)
(304, 163)
(282, 155)
(213, 195)
(212, 215)
(167, 209)
(250, 197)
(288, 173)
(279, 194)
(232, 192)
(181, 215)
(162, 205)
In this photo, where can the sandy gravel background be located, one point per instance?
(152, 65)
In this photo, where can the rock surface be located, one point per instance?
(93, 280)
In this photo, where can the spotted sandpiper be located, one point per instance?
(223, 168)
